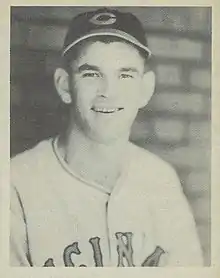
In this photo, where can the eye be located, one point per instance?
(126, 76)
(91, 74)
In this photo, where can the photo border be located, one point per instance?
(5, 269)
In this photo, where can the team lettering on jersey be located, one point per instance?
(124, 250)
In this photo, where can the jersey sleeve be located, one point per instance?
(176, 225)
(18, 235)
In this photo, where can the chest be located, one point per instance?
(86, 227)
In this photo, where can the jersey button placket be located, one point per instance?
(108, 229)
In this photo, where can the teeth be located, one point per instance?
(106, 110)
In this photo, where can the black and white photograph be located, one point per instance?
(110, 136)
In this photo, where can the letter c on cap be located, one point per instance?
(103, 19)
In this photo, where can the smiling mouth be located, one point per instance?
(106, 110)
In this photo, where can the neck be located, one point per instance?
(92, 160)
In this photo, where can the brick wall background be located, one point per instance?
(175, 124)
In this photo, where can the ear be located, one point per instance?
(147, 89)
(61, 81)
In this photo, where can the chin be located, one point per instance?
(107, 138)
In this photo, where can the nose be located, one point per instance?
(108, 88)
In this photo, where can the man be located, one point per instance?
(90, 197)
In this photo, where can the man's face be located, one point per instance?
(105, 84)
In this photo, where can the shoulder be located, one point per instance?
(28, 156)
(153, 174)
(150, 162)
(159, 185)
(31, 162)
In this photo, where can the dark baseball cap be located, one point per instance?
(105, 22)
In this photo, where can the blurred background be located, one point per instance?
(176, 124)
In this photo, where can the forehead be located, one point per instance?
(108, 53)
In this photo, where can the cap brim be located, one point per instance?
(109, 32)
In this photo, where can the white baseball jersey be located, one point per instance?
(59, 219)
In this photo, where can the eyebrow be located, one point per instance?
(86, 66)
(129, 69)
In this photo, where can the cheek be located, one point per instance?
(84, 92)
(131, 92)
(90, 86)
(82, 102)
